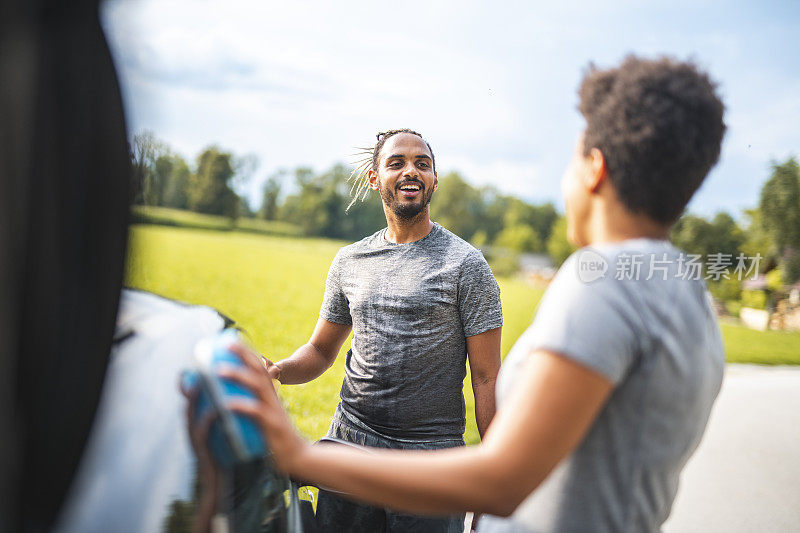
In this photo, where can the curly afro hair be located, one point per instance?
(659, 126)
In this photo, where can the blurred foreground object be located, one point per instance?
(139, 472)
(233, 438)
(63, 217)
(138, 469)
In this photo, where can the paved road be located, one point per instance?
(745, 476)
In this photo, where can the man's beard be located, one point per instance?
(405, 210)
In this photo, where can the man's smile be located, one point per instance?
(410, 190)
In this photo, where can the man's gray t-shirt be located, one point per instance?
(656, 339)
(411, 306)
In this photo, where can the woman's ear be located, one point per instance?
(596, 174)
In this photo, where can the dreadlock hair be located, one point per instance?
(368, 160)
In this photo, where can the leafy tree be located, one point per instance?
(494, 210)
(696, 235)
(780, 215)
(519, 238)
(458, 206)
(243, 169)
(308, 207)
(480, 239)
(318, 207)
(690, 233)
(726, 289)
(539, 217)
(145, 151)
(269, 200)
(210, 190)
(178, 182)
(721, 235)
(558, 245)
(543, 218)
(727, 234)
(503, 262)
(243, 208)
(162, 171)
(757, 239)
(364, 217)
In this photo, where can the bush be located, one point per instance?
(480, 239)
(775, 279)
(502, 262)
(726, 289)
(754, 299)
(733, 308)
(519, 238)
(558, 246)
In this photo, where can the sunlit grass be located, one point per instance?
(272, 287)
(743, 345)
(165, 216)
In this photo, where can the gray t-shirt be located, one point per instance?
(411, 307)
(658, 341)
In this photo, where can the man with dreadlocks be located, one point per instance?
(420, 302)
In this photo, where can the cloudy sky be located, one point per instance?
(492, 85)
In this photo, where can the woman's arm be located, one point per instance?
(552, 407)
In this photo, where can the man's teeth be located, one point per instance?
(409, 188)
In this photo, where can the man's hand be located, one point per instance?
(273, 369)
(313, 358)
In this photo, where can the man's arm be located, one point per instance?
(313, 358)
(483, 351)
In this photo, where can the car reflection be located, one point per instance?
(138, 472)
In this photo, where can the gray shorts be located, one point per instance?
(338, 514)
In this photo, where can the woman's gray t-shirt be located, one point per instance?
(411, 306)
(632, 312)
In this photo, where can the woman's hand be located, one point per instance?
(208, 474)
(286, 445)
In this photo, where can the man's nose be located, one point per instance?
(410, 171)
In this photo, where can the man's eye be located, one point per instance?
(394, 165)
(423, 165)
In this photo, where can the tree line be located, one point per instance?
(771, 231)
(315, 202)
(162, 177)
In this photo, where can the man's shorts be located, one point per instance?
(337, 514)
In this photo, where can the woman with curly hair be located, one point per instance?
(606, 395)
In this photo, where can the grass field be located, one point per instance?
(272, 286)
(744, 345)
(164, 216)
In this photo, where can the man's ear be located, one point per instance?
(435, 181)
(596, 170)
(372, 176)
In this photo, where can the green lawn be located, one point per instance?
(272, 286)
(744, 345)
(165, 216)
